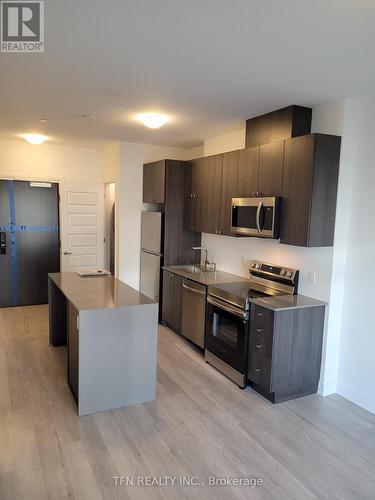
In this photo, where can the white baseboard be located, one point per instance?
(325, 389)
(358, 398)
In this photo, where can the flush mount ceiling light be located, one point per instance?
(34, 138)
(152, 120)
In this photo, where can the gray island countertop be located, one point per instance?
(102, 292)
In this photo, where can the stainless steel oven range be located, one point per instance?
(228, 315)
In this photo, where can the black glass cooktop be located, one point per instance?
(238, 293)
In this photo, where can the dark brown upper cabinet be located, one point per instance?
(164, 182)
(260, 170)
(214, 181)
(195, 212)
(271, 165)
(278, 125)
(154, 182)
(248, 172)
(229, 190)
(311, 167)
(196, 179)
(196, 172)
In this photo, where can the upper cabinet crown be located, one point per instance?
(278, 125)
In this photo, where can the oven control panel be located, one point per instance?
(272, 270)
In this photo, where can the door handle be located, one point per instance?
(194, 290)
(3, 243)
(258, 217)
(67, 253)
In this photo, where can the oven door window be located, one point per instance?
(226, 336)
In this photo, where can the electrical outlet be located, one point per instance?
(311, 277)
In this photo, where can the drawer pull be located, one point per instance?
(259, 314)
(259, 346)
(260, 330)
(257, 370)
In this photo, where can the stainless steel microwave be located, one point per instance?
(256, 217)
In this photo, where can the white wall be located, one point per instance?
(132, 158)
(110, 166)
(234, 254)
(356, 379)
(21, 160)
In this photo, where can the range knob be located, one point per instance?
(289, 274)
(252, 264)
(283, 272)
(257, 266)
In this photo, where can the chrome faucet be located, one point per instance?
(206, 262)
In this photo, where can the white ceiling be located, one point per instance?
(210, 64)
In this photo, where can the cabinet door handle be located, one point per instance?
(259, 314)
(257, 370)
(260, 330)
(259, 346)
(67, 253)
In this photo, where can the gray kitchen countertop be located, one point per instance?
(282, 302)
(205, 278)
(274, 303)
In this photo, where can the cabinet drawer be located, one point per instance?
(260, 335)
(259, 370)
(262, 318)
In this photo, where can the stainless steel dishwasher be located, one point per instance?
(193, 311)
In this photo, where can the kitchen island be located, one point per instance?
(110, 330)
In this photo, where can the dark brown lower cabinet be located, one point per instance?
(172, 301)
(285, 351)
(73, 349)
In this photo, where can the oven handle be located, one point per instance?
(260, 206)
(227, 308)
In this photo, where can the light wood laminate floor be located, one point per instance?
(200, 425)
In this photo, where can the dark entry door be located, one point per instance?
(29, 241)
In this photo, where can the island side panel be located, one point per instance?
(57, 310)
(117, 357)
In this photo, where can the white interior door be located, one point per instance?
(82, 226)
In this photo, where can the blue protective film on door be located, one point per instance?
(12, 228)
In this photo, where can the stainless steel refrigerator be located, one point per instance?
(151, 253)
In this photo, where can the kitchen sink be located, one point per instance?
(195, 268)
